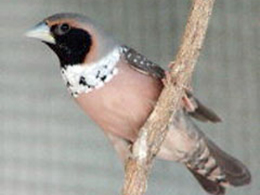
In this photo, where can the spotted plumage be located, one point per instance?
(85, 78)
(118, 87)
(142, 64)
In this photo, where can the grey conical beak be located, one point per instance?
(42, 32)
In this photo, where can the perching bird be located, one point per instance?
(118, 87)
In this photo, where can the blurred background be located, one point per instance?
(48, 146)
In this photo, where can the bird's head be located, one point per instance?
(74, 38)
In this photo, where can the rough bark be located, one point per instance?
(153, 132)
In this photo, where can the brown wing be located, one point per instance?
(142, 64)
(200, 111)
(193, 106)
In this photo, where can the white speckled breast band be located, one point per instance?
(84, 78)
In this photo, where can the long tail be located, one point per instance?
(214, 169)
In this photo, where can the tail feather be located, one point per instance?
(208, 185)
(214, 169)
(235, 172)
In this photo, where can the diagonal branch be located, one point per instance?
(153, 132)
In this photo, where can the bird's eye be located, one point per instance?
(62, 29)
(65, 28)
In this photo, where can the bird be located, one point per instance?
(117, 87)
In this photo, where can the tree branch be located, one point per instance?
(152, 134)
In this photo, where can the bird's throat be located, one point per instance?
(84, 78)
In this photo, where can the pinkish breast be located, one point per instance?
(122, 105)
